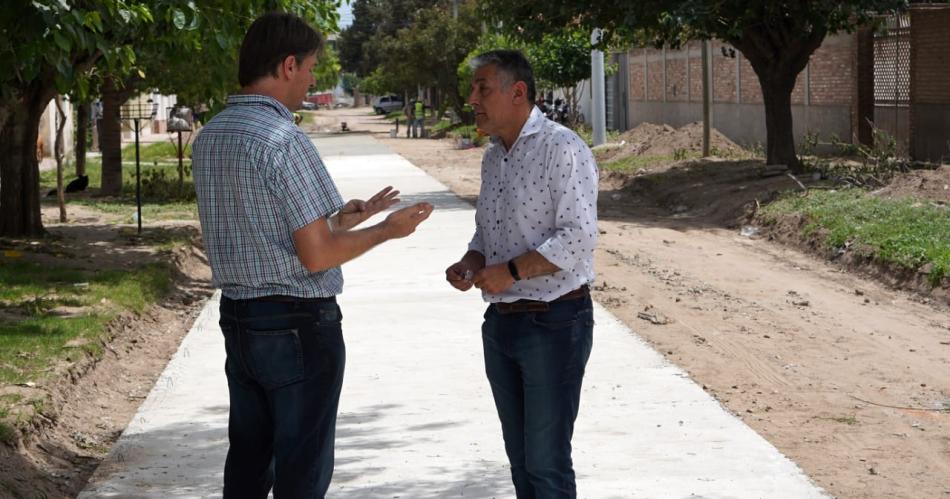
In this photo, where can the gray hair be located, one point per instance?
(512, 67)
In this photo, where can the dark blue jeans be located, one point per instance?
(285, 370)
(535, 363)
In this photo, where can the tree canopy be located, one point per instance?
(776, 36)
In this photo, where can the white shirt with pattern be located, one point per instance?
(539, 195)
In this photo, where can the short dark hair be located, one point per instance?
(271, 39)
(510, 63)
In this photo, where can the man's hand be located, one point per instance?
(403, 222)
(357, 211)
(494, 279)
(460, 275)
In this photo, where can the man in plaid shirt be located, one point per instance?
(276, 232)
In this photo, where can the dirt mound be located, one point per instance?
(923, 184)
(648, 139)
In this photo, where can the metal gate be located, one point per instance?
(892, 79)
(616, 93)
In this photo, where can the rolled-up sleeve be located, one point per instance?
(572, 183)
(477, 244)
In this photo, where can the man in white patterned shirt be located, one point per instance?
(276, 232)
(532, 258)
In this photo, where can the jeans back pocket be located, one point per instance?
(275, 357)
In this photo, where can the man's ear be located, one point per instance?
(287, 67)
(520, 92)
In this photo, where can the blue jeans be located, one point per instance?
(535, 363)
(285, 369)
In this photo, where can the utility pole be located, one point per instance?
(598, 105)
(706, 98)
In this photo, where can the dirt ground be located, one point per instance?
(93, 401)
(847, 376)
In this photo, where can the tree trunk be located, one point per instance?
(58, 154)
(780, 139)
(82, 129)
(19, 169)
(110, 139)
(777, 54)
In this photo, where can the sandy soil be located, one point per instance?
(847, 376)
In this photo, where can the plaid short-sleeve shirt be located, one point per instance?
(258, 178)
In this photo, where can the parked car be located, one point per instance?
(309, 106)
(323, 99)
(388, 104)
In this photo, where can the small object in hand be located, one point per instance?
(468, 275)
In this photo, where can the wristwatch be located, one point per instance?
(513, 270)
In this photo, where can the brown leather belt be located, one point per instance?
(294, 299)
(522, 306)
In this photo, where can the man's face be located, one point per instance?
(494, 104)
(302, 79)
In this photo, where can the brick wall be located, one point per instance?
(832, 71)
(930, 55)
(930, 83)
(829, 77)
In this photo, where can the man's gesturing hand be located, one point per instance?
(357, 211)
(403, 222)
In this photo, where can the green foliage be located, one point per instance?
(561, 59)
(777, 37)
(877, 165)
(53, 43)
(350, 82)
(327, 70)
(162, 197)
(906, 232)
(379, 83)
(372, 20)
(403, 48)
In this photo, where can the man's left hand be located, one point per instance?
(494, 279)
(357, 211)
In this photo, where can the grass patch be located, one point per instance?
(8, 433)
(308, 118)
(632, 163)
(905, 232)
(157, 151)
(162, 196)
(585, 132)
(33, 338)
(396, 115)
(441, 126)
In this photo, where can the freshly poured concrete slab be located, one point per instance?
(416, 416)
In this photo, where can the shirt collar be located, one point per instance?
(260, 101)
(532, 126)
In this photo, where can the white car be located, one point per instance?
(388, 104)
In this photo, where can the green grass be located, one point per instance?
(33, 339)
(396, 115)
(585, 132)
(162, 198)
(308, 118)
(905, 232)
(632, 163)
(156, 151)
(151, 211)
(441, 126)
